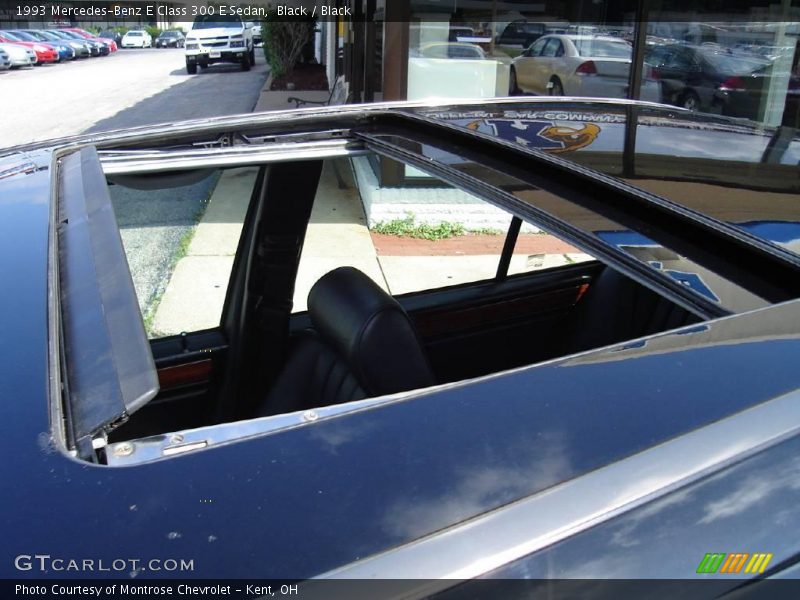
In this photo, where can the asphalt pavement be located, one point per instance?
(125, 89)
(156, 227)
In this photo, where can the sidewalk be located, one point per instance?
(337, 235)
(269, 100)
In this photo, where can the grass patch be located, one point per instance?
(487, 231)
(181, 250)
(408, 227)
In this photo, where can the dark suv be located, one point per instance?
(521, 32)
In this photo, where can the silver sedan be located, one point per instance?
(578, 65)
(18, 55)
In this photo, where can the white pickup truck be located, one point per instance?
(214, 39)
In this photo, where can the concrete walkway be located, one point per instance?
(337, 235)
(279, 100)
(195, 294)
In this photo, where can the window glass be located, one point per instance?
(604, 48)
(180, 243)
(742, 68)
(536, 48)
(596, 48)
(732, 65)
(551, 48)
(468, 51)
(415, 238)
(502, 37)
(435, 51)
(536, 250)
(679, 60)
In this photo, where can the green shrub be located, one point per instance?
(284, 40)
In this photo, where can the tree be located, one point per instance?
(284, 40)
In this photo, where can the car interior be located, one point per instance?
(357, 341)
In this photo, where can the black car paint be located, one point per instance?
(301, 501)
(110, 34)
(170, 41)
(735, 510)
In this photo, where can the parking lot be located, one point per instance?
(126, 89)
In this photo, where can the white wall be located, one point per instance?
(456, 78)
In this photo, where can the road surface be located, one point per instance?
(126, 89)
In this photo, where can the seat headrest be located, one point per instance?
(370, 330)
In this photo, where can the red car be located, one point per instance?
(45, 53)
(112, 45)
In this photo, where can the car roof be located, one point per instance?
(469, 450)
(457, 44)
(574, 37)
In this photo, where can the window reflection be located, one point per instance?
(728, 62)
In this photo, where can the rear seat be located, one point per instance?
(616, 308)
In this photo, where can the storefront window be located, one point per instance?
(738, 61)
(495, 49)
(738, 68)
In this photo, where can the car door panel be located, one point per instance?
(190, 368)
(545, 64)
(490, 326)
(526, 67)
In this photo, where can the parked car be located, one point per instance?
(96, 47)
(452, 50)
(137, 39)
(635, 415)
(65, 51)
(110, 44)
(710, 79)
(170, 39)
(578, 65)
(45, 53)
(521, 33)
(5, 61)
(82, 48)
(457, 31)
(111, 34)
(19, 55)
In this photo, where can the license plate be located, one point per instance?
(214, 55)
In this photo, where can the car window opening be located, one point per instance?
(283, 302)
(353, 340)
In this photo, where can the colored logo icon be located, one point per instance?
(737, 562)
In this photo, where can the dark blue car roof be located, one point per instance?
(304, 500)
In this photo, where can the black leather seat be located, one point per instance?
(616, 309)
(363, 345)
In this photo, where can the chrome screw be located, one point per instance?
(123, 449)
